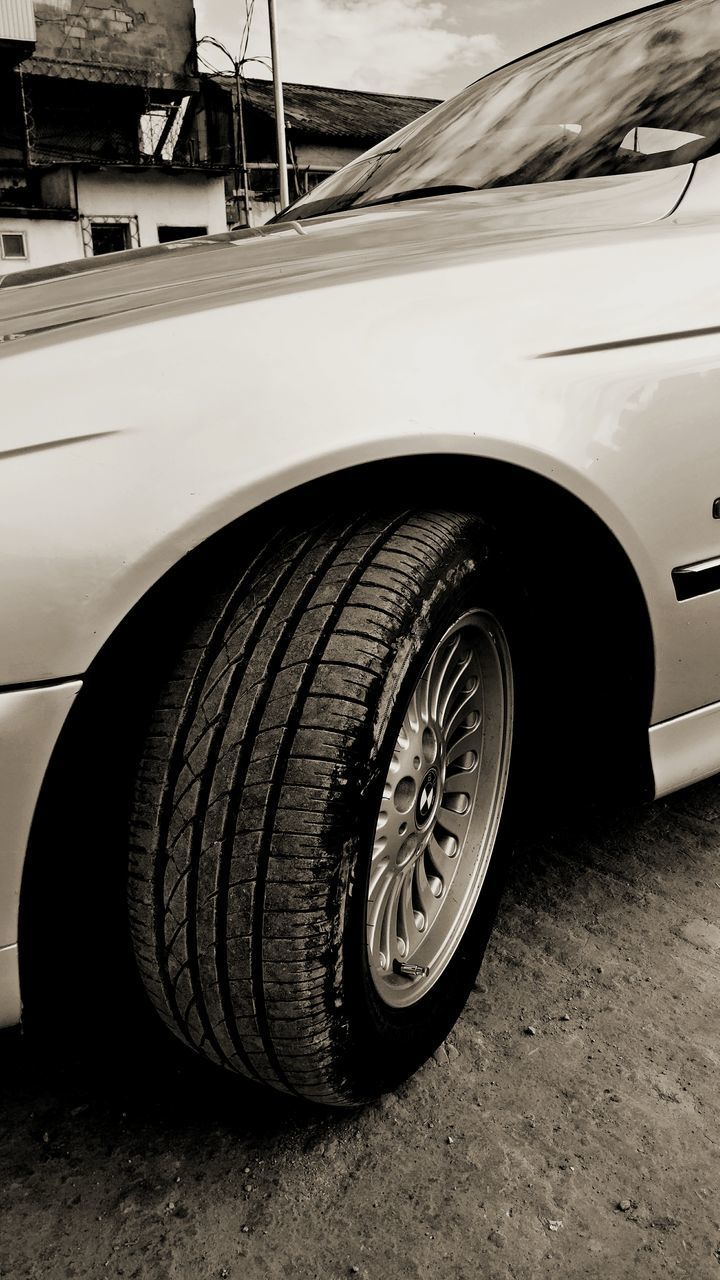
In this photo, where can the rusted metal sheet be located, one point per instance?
(17, 21)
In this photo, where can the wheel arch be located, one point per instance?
(562, 551)
(576, 580)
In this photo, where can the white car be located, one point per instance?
(351, 541)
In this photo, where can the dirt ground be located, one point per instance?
(570, 1127)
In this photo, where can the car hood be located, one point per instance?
(236, 267)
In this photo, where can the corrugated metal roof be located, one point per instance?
(338, 113)
(17, 21)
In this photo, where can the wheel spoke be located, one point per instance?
(422, 693)
(413, 716)
(389, 927)
(454, 677)
(469, 739)
(439, 858)
(454, 823)
(437, 673)
(392, 840)
(377, 900)
(379, 871)
(460, 783)
(407, 757)
(466, 704)
(407, 925)
(427, 899)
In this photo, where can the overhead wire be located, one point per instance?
(245, 38)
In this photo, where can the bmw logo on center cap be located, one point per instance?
(426, 797)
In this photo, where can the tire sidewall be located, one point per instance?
(386, 1044)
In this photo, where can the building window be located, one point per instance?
(166, 234)
(109, 237)
(265, 182)
(109, 234)
(13, 244)
(312, 178)
(160, 129)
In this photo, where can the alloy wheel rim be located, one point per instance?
(440, 809)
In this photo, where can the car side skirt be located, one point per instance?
(30, 723)
(686, 749)
(10, 1006)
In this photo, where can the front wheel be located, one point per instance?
(319, 827)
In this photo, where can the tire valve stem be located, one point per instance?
(411, 970)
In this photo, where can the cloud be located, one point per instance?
(400, 46)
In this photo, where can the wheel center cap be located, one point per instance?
(427, 796)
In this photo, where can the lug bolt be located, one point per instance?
(412, 970)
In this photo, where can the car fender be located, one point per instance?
(140, 442)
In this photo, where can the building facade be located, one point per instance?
(326, 128)
(104, 138)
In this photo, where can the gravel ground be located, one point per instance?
(568, 1128)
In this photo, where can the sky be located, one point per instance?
(427, 47)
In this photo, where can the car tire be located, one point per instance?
(271, 775)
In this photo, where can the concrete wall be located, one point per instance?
(308, 156)
(322, 155)
(261, 211)
(48, 241)
(154, 199)
(147, 33)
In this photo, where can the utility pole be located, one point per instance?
(240, 145)
(279, 108)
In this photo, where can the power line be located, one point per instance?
(245, 39)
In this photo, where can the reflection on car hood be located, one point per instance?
(236, 267)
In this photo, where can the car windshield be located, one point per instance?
(641, 93)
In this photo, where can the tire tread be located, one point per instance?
(232, 874)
